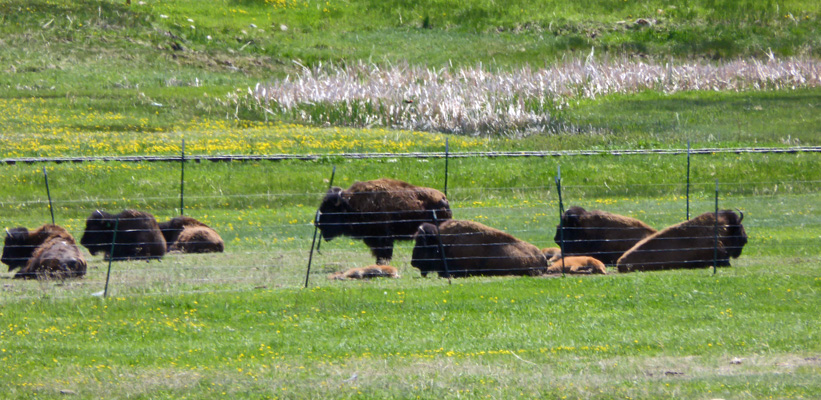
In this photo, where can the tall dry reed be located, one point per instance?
(476, 101)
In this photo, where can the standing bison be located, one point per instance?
(46, 252)
(599, 234)
(690, 244)
(187, 235)
(379, 212)
(474, 249)
(138, 235)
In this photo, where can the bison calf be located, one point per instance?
(379, 212)
(474, 249)
(138, 235)
(373, 271)
(188, 235)
(599, 234)
(577, 265)
(690, 244)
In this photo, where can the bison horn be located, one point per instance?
(99, 212)
(742, 215)
(7, 232)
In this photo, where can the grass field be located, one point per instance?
(101, 78)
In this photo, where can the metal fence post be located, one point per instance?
(111, 256)
(441, 247)
(330, 185)
(182, 178)
(688, 180)
(447, 158)
(561, 213)
(48, 193)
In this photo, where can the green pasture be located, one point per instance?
(101, 78)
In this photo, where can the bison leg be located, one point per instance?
(382, 249)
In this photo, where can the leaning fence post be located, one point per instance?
(330, 185)
(441, 247)
(313, 242)
(447, 157)
(688, 180)
(715, 234)
(561, 213)
(182, 178)
(111, 256)
(48, 193)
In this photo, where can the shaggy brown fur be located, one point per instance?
(198, 239)
(138, 235)
(189, 235)
(21, 243)
(57, 258)
(599, 234)
(370, 272)
(474, 249)
(577, 265)
(690, 244)
(379, 212)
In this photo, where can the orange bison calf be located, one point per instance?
(577, 265)
(690, 244)
(188, 235)
(379, 212)
(373, 271)
(599, 234)
(474, 249)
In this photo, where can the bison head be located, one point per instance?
(426, 256)
(568, 229)
(99, 232)
(735, 237)
(17, 250)
(332, 219)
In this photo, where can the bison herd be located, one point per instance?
(382, 211)
(50, 252)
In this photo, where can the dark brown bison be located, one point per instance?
(370, 272)
(474, 249)
(188, 235)
(379, 212)
(599, 234)
(577, 265)
(21, 243)
(57, 258)
(138, 235)
(690, 244)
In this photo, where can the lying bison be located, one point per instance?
(138, 236)
(46, 252)
(690, 244)
(57, 258)
(379, 212)
(20, 243)
(474, 249)
(599, 234)
(577, 265)
(187, 235)
(370, 272)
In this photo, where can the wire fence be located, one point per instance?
(270, 247)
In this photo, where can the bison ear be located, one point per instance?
(335, 197)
